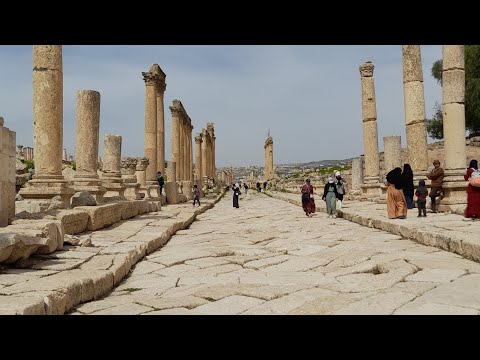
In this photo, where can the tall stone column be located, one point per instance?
(453, 95)
(129, 166)
(48, 180)
(392, 152)
(161, 87)
(211, 131)
(86, 148)
(111, 173)
(357, 175)
(181, 163)
(176, 119)
(371, 186)
(150, 144)
(198, 157)
(414, 101)
(191, 156)
(7, 174)
(204, 154)
(268, 158)
(64, 158)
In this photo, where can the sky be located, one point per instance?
(309, 97)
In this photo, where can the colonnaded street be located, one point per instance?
(267, 257)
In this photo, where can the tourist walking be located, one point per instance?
(407, 185)
(330, 195)
(196, 195)
(396, 203)
(472, 175)
(245, 186)
(259, 188)
(421, 193)
(436, 175)
(236, 194)
(308, 203)
(160, 181)
(340, 185)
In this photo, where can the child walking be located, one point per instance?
(421, 195)
(196, 195)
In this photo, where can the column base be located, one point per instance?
(46, 187)
(454, 191)
(132, 191)
(92, 186)
(171, 190)
(115, 188)
(371, 187)
(154, 189)
(383, 196)
(187, 190)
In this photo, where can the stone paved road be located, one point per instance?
(269, 258)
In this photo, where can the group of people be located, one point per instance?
(333, 193)
(400, 191)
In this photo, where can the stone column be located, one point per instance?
(48, 180)
(7, 174)
(20, 152)
(111, 177)
(211, 131)
(198, 157)
(86, 147)
(129, 165)
(414, 101)
(140, 169)
(64, 158)
(371, 186)
(392, 152)
(268, 158)
(181, 156)
(357, 175)
(161, 87)
(453, 95)
(171, 188)
(204, 153)
(176, 137)
(150, 137)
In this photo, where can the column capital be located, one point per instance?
(176, 111)
(366, 69)
(142, 164)
(198, 138)
(161, 87)
(149, 78)
(129, 163)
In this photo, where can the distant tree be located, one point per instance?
(435, 124)
(472, 94)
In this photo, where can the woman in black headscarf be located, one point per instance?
(396, 204)
(407, 185)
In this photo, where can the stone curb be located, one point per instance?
(61, 292)
(447, 240)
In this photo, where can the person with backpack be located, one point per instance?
(330, 196)
(160, 181)
(340, 189)
(472, 175)
(421, 193)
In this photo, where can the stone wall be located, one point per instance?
(7, 174)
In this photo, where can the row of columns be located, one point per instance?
(453, 98)
(25, 152)
(182, 153)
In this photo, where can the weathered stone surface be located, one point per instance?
(83, 198)
(228, 306)
(74, 221)
(18, 305)
(436, 275)
(124, 309)
(101, 216)
(427, 308)
(188, 302)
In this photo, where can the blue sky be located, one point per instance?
(308, 96)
